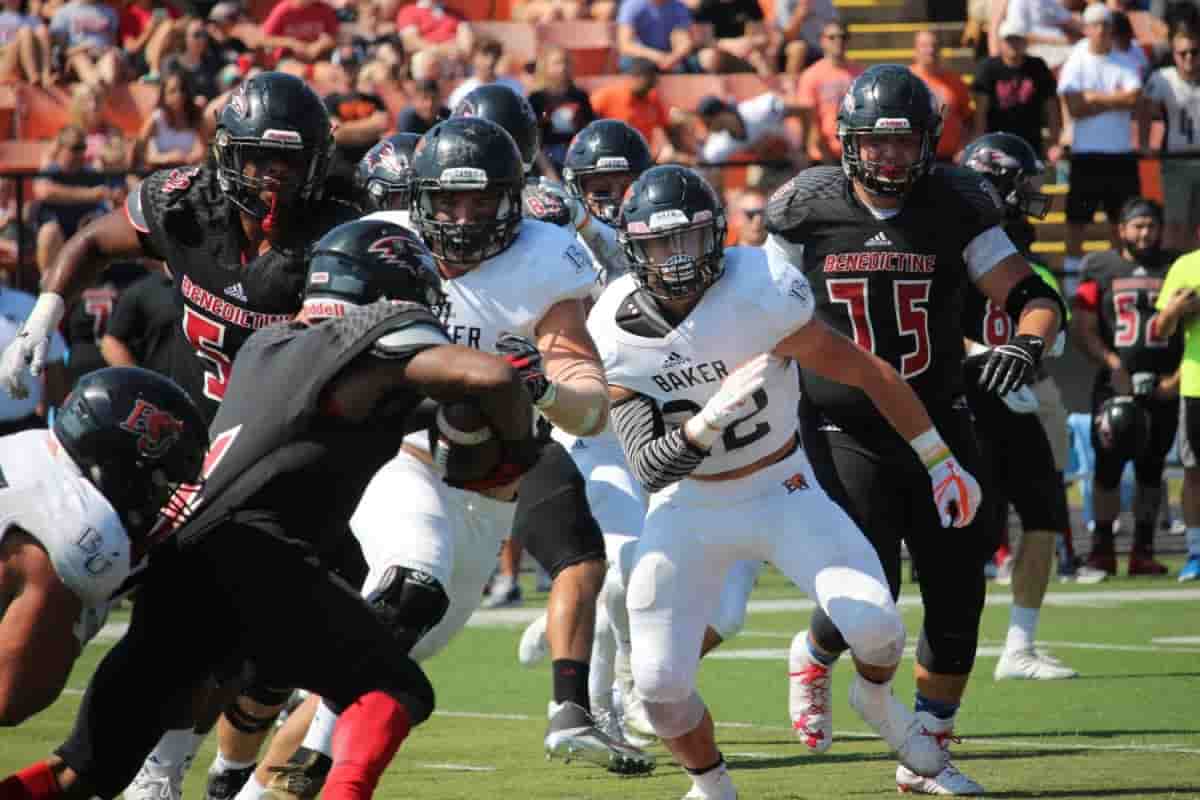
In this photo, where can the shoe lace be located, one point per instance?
(816, 678)
(943, 738)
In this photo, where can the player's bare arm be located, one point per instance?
(1040, 316)
(37, 639)
(578, 401)
(87, 253)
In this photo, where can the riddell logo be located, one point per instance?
(156, 429)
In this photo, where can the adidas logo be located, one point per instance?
(879, 240)
(579, 444)
(236, 292)
(675, 360)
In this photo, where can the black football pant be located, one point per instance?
(890, 497)
(553, 520)
(240, 593)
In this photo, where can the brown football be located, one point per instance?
(465, 448)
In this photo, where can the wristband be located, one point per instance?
(700, 433)
(930, 448)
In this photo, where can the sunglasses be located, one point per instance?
(752, 213)
(1191, 53)
(78, 148)
(834, 36)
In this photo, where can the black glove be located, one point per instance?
(526, 359)
(1011, 366)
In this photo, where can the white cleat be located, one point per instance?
(533, 647)
(1031, 665)
(912, 736)
(949, 781)
(158, 782)
(810, 704)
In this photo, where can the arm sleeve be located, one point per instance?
(657, 457)
(987, 250)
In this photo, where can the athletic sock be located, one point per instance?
(251, 789)
(939, 708)
(35, 782)
(319, 736)
(176, 747)
(571, 682)
(368, 734)
(824, 659)
(223, 764)
(1022, 628)
(1193, 542)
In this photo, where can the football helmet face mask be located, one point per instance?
(1013, 168)
(383, 179)
(360, 262)
(499, 104)
(888, 100)
(467, 155)
(672, 229)
(137, 437)
(1122, 427)
(274, 139)
(611, 148)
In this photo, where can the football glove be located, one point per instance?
(956, 493)
(1010, 366)
(526, 359)
(732, 401)
(31, 345)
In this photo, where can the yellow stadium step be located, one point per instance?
(855, 11)
(959, 59)
(894, 35)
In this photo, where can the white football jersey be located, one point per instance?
(757, 303)
(401, 218)
(44, 494)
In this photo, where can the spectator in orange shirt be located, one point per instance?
(957, 113)
(304, 29)
(635, 101)
(820, 91)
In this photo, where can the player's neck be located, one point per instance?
(876, 202)
(254, 239)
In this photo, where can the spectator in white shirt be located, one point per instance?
(1100, 92)
(484, 60)
(745, 128)
(1051, 27)
(1173, 94)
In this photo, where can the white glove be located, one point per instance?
(575, 205)
(956, 493)
(31, 345)
(731, 402)
(1021, 401)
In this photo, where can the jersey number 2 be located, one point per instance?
(207, 339)
(910, 301)
(731, 439)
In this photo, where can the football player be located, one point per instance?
(1017, 447)
(78, 503)
(233, 236)
(708, 424)
(383, 178)
(1115, 325)
(312, 411)
(888, 244)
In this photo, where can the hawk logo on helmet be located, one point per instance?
(989, 159)
(179, 179)
(157, 430)
(399, 251)
(389, 158)
(238, 103)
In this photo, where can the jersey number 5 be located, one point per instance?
(736, 436)
(208, 340)
(910, 301)
(1129, 321)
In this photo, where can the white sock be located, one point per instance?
(176, 747)
(1193, 541)
(876, 697)
(1022, 628)
(714, 782)
(251, 790)
(502, 584)
(223, 764)
(320, 731)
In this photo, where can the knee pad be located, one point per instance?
(672, 720)
(876, 637)
(410, 603)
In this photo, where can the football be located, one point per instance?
(464, 446)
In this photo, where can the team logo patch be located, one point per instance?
(157, 430)
(238, 101)
(801, 290)
(577, 256)
(179, 179)
(796, 483)
(397, 251)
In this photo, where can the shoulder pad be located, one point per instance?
(158, 193)
(971, 192)
(792, 204)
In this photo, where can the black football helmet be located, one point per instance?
(888, 99)
(511, 111)
(1013, 167)
(1122, 428)
(605, 146)
(459, 155)
(673, 204)
(360, 262)
(272, 116)
(136, 436)
(383, 179)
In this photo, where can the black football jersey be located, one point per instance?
(274, 454)
(87, 320)
(186, 220)
(894, 286)
(1122, 295)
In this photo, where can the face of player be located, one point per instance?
(279, 178)
(603, 191)
(672, 267)
(468, 211)
(893, 154)
(1141, 235)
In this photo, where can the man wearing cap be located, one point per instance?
(1100, 93)
(1015, 93)
(733, 130)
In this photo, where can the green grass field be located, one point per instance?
(1129, 727)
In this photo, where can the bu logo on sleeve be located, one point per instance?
(156, 429)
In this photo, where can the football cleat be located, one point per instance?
(573, 735)
(533, 646)
(1004, 567)
(724, 790)
(949, 781)
(225, 784)
(915, 740)
(1079, 572)
(1031, 665)
(503, 598)
(1145, 564)
(809, 696)
(1191, 570)
(1103, 561)
(158, 782)
(300, 779)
